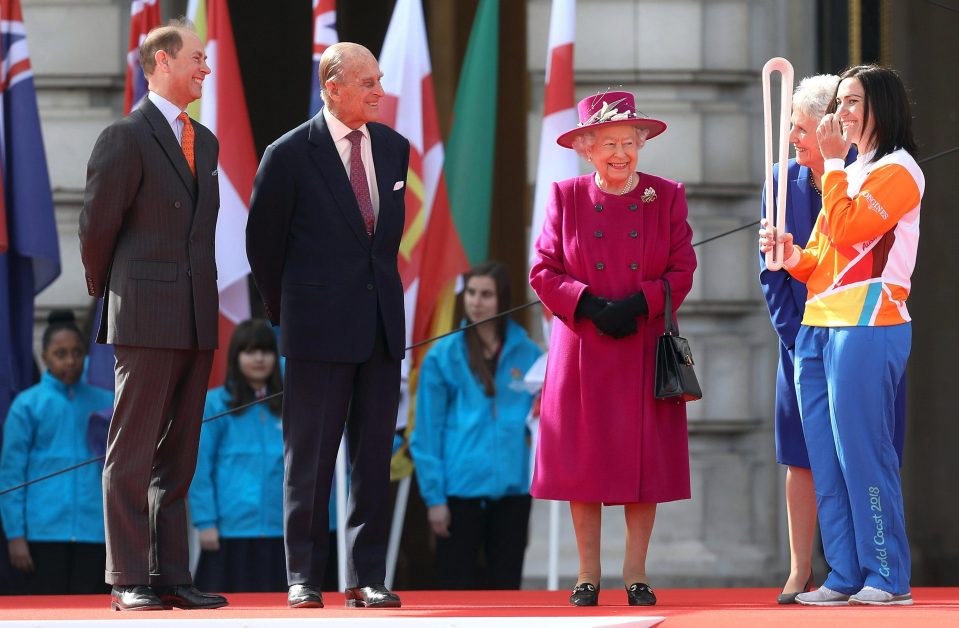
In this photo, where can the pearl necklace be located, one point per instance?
(626, 188)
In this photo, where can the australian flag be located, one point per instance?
(144, 17)
(29, 251)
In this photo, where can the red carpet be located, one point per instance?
(723, 608)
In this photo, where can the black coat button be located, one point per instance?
(633, 266)
(633, 234)
(177, 204)
(598, 234)
(598, 207)
(600, 266)
(633, 207)
(369, 286)
(189, 272)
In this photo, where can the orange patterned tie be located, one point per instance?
(187, 141)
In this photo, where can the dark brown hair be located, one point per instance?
(474, 344)
(249, 335)
(166, 38)
(886, 103)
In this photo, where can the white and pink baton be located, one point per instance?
(776, 212)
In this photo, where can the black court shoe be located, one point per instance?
(640, 594)
(584, 594)
(790, 598)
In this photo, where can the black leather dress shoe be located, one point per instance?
(584, 594)
(136, 597)
(304, 596)
(373, 596)
(188, 597)
(640, 594)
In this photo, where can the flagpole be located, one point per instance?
(555, 164)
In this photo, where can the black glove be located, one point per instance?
(618, 319)
(589, 306)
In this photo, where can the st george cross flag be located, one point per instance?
(144, 17)
(559, 115)
(29, 250)
(324, 36)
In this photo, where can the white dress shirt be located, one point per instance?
(344, 147)
(170, 112)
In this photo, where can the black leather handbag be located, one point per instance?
(675, 377)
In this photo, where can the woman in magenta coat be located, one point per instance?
(609, 240)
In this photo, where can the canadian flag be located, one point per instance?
(223, 110)
(559, 115)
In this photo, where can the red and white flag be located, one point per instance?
(324, 36)
(431, 254)
(410, 108)
(223, 110)
(559, 115)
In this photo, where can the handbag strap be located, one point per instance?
(672, 328)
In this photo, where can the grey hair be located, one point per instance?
(585, 140)
(814, 93)
(336, 61)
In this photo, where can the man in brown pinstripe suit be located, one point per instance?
(146, 239)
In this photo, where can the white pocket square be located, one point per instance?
(398, 185)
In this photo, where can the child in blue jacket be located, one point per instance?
(55, 527)
(236, 498)
(470, 443)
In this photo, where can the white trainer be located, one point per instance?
(823, 597)
(877, 597)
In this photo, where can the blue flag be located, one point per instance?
(32, 257)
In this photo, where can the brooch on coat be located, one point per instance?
(649, 195)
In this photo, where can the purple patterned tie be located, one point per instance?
(361, 187)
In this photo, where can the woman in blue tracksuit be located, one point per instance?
(55, 527)
(236, 498)
(470, 443)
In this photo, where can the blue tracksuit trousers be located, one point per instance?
(846, 380)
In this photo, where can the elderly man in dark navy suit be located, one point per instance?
(324, 230)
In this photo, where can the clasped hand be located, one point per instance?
(613, 318)
(767, 240)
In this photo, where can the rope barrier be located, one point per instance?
(421, 343)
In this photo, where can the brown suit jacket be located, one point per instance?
(147, 232)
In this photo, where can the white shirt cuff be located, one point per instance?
(834, 164)
(793, 259)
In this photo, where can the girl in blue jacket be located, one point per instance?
(55, 527)
(236, 498)
(471, 445)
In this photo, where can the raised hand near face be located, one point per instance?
(832, 145)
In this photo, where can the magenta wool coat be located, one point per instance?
(603, 437)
